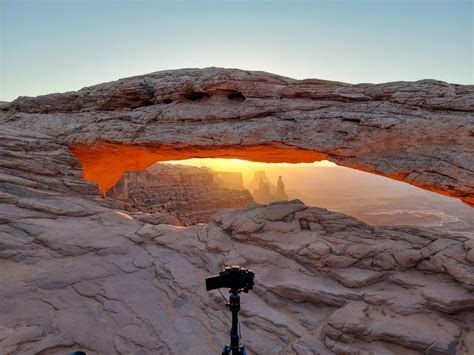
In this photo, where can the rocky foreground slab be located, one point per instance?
(75, 273)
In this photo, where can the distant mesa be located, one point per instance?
(188, 194)
(185, 195)
(228, 179)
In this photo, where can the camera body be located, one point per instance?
(235, 278)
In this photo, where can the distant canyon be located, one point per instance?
(192, 194)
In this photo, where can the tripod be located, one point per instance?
(234, 307)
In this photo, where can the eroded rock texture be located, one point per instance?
(419, 132)
(190, 194)
(77, 273)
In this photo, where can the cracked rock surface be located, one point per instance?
(418, 132)
(78, 273)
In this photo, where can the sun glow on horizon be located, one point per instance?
(247, 168)
(238, 164)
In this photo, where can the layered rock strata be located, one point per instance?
(76, 273)
(418, 132)
(190, 194)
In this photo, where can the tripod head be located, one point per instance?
(237, 280)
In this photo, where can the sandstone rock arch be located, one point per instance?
(77, 272)
(418, 132)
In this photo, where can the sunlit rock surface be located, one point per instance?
(418, 132)
(77, 273)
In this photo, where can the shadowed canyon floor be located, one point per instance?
(78, 273)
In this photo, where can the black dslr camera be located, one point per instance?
(233, 277)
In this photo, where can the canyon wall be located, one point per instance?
(188, 193)
(418, 132)
(229, 180)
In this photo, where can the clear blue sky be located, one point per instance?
(55, 46)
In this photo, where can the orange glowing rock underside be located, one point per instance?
(105, 163)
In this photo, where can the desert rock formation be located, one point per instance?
(280, 194)
(262, 194)
(258, 178)
(418, 132)
(263, 191)
(188, 193)
(228, 179)
(78, 272)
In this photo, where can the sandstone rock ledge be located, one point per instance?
(75, 272)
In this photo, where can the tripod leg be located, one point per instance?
(226, 350)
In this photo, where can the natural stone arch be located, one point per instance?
(65, 252)
(105, 163)
(418, 132)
